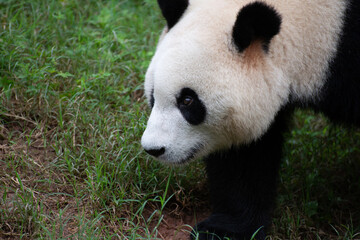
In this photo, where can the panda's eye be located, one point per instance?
(187, 101)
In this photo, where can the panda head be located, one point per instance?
(212, 82)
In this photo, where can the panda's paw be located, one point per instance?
(203, 231)
(224, 228)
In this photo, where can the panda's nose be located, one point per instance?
(155, 152)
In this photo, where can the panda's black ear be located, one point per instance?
(172, 10)
(255, 21)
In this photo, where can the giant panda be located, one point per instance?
(225, 77)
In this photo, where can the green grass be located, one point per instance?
(320, 184)
(72, 112)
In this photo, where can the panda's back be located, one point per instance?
(308, 42)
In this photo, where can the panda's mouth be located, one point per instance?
(176, 158)
(191, 155)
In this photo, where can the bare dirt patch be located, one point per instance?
(176, 224)
(30, 189)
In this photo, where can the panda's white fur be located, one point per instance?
(243, 91)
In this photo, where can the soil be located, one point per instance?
(176, 224)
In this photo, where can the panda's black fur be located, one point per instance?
(243, 180)
(173, 10)
(253, 170)
(249, 27)
(196, 112)
(340, 98)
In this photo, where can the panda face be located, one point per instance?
(181, 126)
(176, 126)
(205, 94)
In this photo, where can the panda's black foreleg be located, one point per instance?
(243, 187)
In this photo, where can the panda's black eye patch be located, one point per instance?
(190, 106)
(152, 99)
